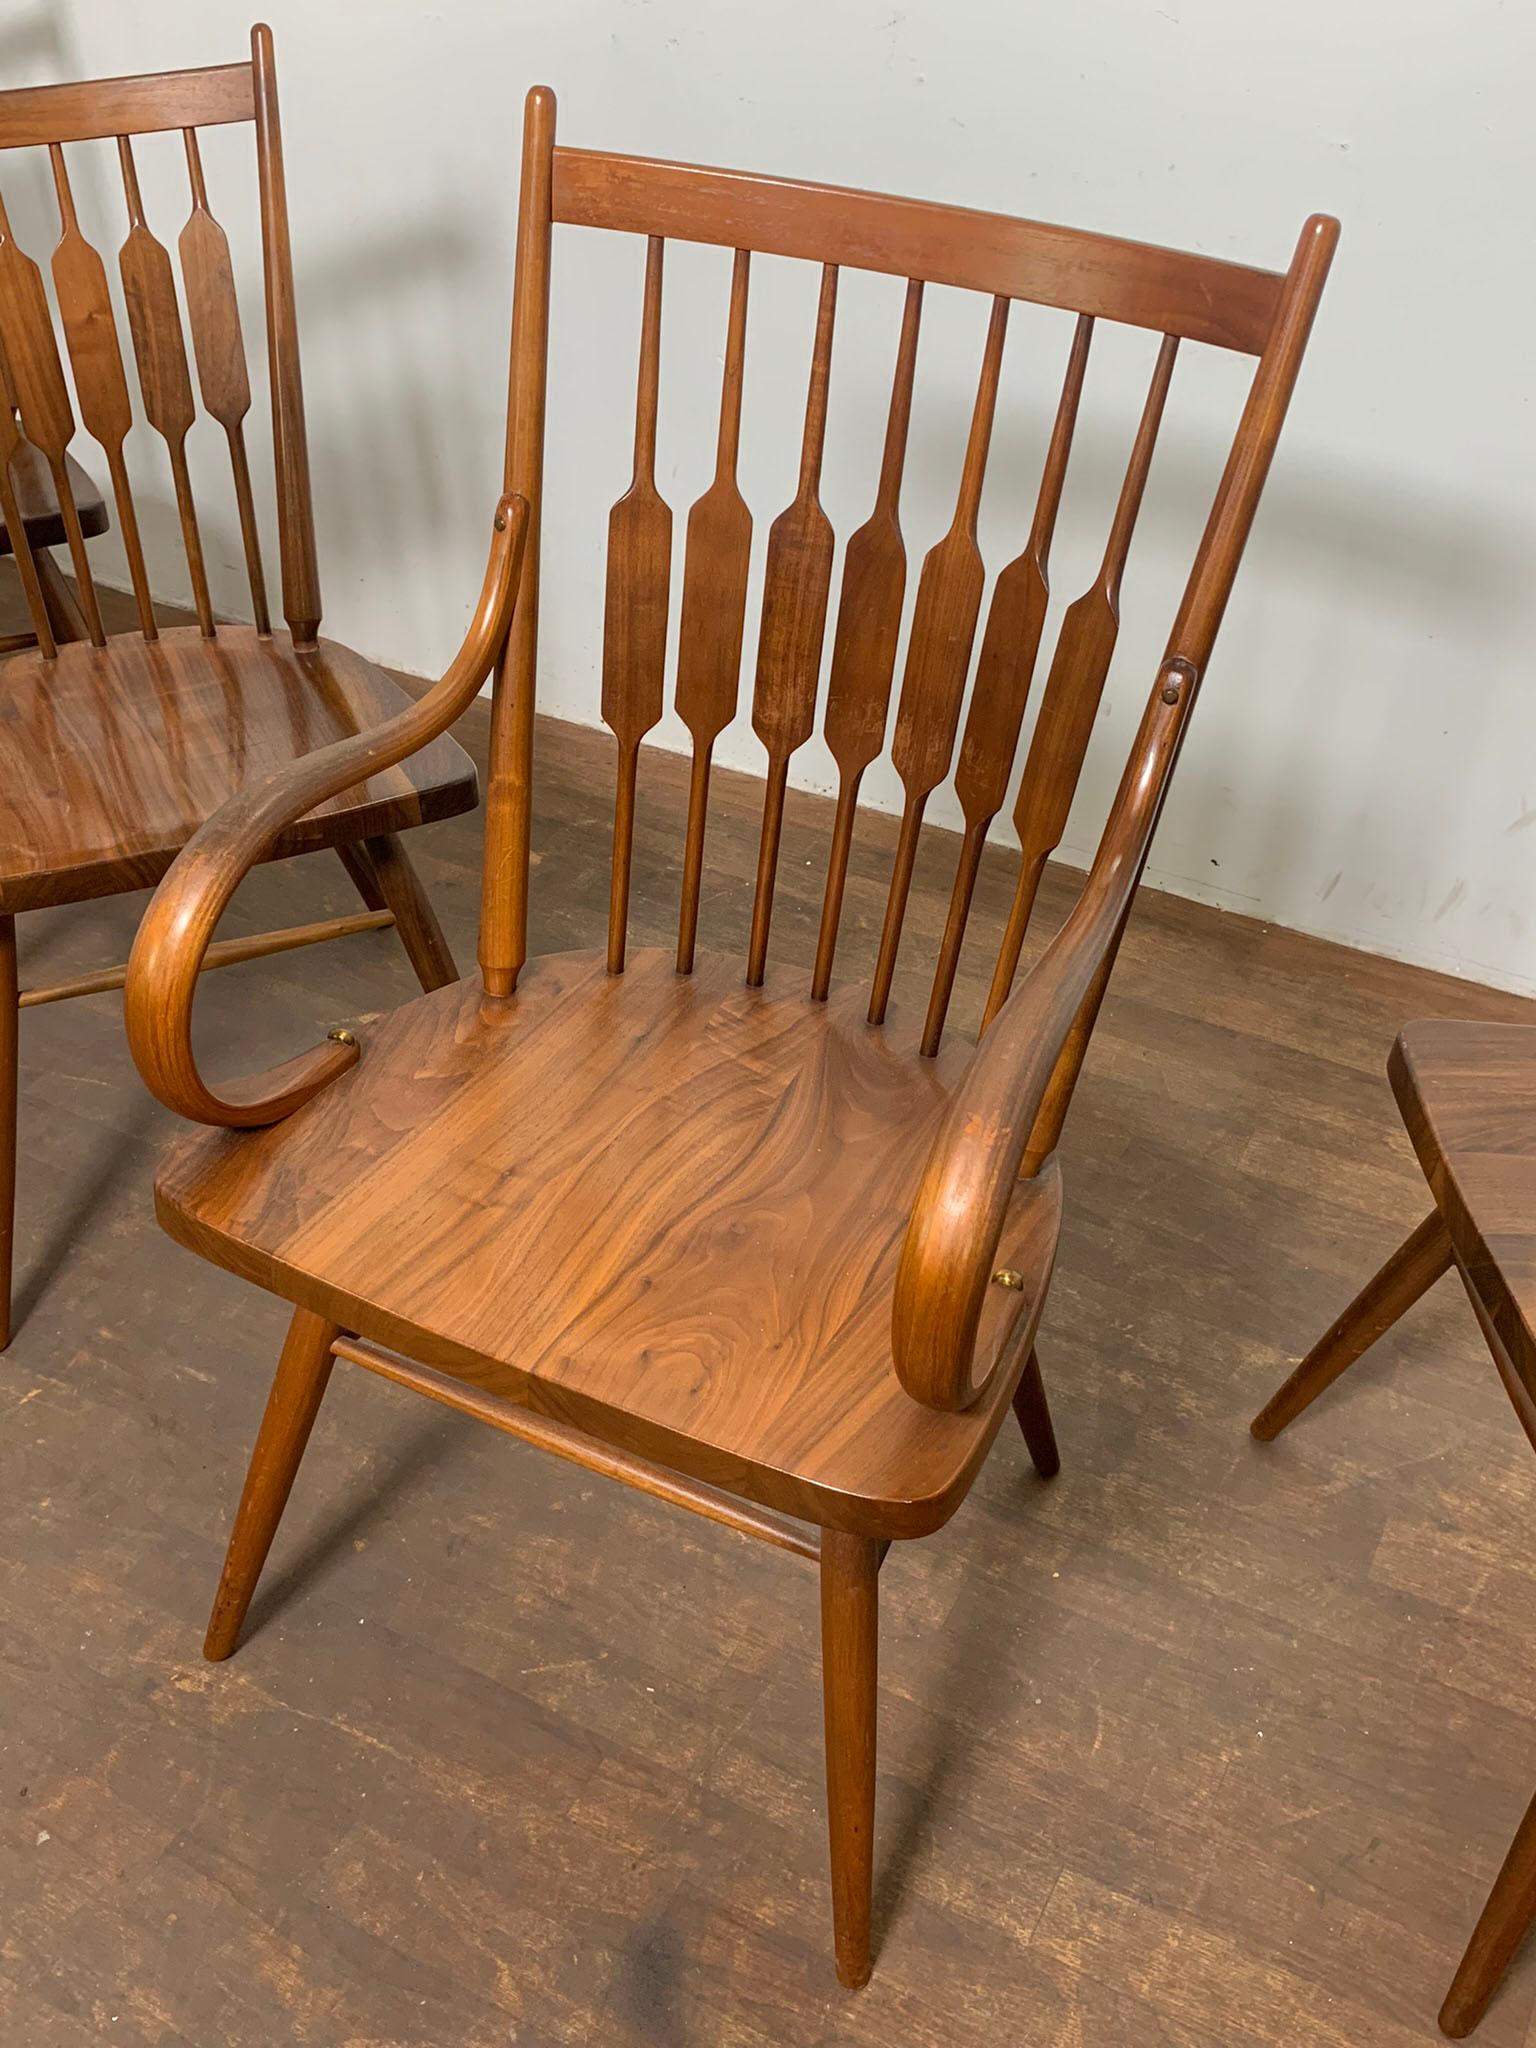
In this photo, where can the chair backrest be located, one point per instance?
(1177, 297)
(51, 117)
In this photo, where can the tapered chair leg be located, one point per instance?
(1500, 1930)
(1411, 1271)
(292, 1405)
(357, 864)
(1034, 1413)
(850, 1630)
(415, 919)
(10, 1018)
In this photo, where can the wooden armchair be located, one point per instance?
(706, 1231)
(113, 751)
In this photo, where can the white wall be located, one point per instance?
(1363, 764)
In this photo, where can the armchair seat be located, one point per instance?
(664, 1208)
(112, 757)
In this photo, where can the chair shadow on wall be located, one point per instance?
(1441, 567)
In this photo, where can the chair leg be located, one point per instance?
(357, 864)
(10, 1019)
(65, 617)
(415, 919)
(850, 1631)
(1501, 1928)
(1411, 1271)
(1034, 1413)
(302, 1373)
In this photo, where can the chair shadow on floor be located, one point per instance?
(119, 1167)
(376, 1493)
(965, 1689)
(964, 1692)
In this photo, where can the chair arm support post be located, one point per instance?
(179, 924)
(1005, 1117)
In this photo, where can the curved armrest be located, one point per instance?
(168, 952)
(950, 1248)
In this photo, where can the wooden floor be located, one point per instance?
(1202, 1744)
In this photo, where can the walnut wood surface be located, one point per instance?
(165, 378)
(213, 314)
(96, 357)
(503, 945)
(516, 1420)
(850, 1654)
(1198, 297)
(716, 564)
(295, 511)
(939, 644)
(113, 757)
(797, 583)
(1004, 671)
(866, 636)
(83, 111)
(637, 608)
(752, 1158)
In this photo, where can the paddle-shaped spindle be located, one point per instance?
(864, 639)
(798, 582)
(939, 656)
(635, 622)
(213, 312)
(1004, 670)
(719, 550)
(165, 383)
(1073, 689)
(37, 382)
(101, 386)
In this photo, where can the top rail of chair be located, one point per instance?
(81, 112)
(1201, 298)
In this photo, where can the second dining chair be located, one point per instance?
(764, 1246)
(115, 749)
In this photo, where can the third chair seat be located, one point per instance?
(111, 757)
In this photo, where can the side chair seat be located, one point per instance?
(664, 1209)
(112, 757)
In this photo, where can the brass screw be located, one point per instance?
(1008, 1276)
(341, 1035)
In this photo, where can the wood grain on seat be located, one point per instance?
(666, 1208)
(110, 758)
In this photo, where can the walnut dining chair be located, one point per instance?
(1467, 1095)
(745, 1243)
(114, 750)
